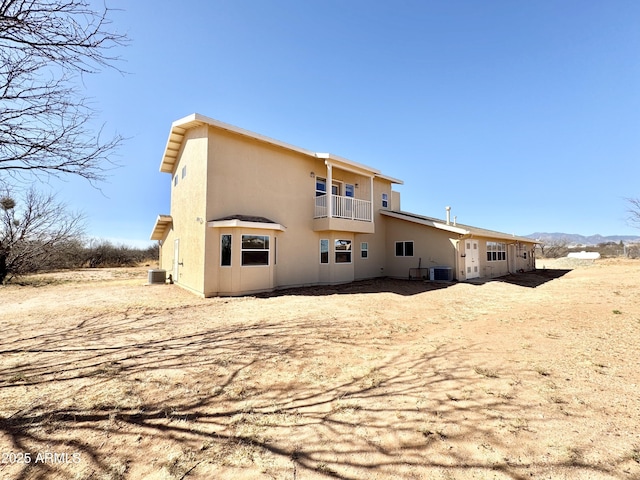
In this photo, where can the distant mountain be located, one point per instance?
(574, 238)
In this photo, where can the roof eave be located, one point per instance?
(466, 231)
(235, 223)
(425, 221)
(390, 179)
(180, 127)
(161, 227)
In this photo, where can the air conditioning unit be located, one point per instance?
(157, 277)
(441, 274)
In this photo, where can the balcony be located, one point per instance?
(347, 214)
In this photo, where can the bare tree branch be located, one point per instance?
(32, 228)
(45, 124)
(634, 211)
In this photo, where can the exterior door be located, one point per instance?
(349, 193)
(472, 259)
(336, 203)
(176, 259)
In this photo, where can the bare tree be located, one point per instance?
(634, 211)
(554, 248)
(45, 124)
(32, 229)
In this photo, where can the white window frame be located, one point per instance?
(340, 251)
(230, 249)
(323, 240)
(349, 187)
(243, 250)
(496, 251)
(385, 200)
(339, 184)
(364, 250)
(404, 248)
(319, 193)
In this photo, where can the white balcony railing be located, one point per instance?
(343, 207)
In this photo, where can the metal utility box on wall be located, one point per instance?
(441, 274)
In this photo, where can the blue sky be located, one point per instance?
(522, 116)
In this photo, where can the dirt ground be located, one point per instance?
(530, 376)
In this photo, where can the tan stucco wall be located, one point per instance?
(188, 213)
(526, 258)
(514, 262)
(248, 177)
(235, 279)
(431, 247)
(498, 268)
(494, 268)
(332, 272)
(251, 178)
(395, 201)
(375, 265)
(434, 247)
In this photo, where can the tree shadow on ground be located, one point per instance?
(403, 287)
(260, 397)
(531, 279)
(408, 287)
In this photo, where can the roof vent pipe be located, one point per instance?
(448, 209)
(455, 220)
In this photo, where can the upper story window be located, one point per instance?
(349, 190)
(184, 171)
(175, 180)
(321, 186)
(255, 250)
(385, 200)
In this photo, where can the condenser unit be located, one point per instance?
(441, 274)
(157, 276)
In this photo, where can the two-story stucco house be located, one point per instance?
(250, 213)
